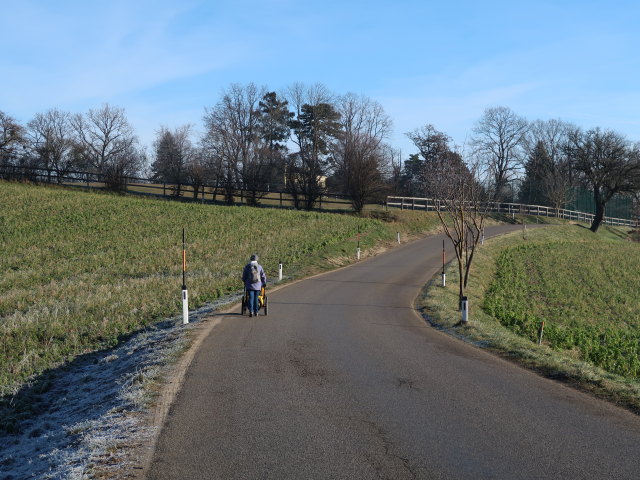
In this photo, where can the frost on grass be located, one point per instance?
(82, 418)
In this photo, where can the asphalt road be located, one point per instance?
(344, 380)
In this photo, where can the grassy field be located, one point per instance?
(584, 286)
(80, 270)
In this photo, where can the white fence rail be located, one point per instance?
(429, 204)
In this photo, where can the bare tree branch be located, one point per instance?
(498, 142)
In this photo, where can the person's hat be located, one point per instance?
(254, 256)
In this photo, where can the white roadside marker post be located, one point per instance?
(358, 247)
(444, 276)
(185, 294)
(465, 309)
(280, 272)
(398, 237)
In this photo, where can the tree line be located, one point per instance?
(100, 141)
(550, 158)
(306, 140)
(538, 163)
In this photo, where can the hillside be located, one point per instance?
(582, 285)
(81, 270)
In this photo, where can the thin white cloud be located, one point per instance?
(111, 52)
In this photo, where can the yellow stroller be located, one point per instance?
(262, 301)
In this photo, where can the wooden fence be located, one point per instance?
(276, 196)
(429, 204)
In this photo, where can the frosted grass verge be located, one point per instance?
(93, 411)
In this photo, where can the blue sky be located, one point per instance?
(442, 63)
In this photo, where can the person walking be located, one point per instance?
(254, 279)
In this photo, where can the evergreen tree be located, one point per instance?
(314, 129)
(438, 159)
(536, 167)
(275, 118)
(274, 131)
(412, 174)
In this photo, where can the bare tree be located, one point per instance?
(124, 165)
(244, 104)
(12, 139)
(51, 142)
(461, 201)
(107, 142)
(359, 158)
(498, 142)
(608, 163)
(393, 173)
(462, 207)
(222, 145)
(234, 144)
(197, 171)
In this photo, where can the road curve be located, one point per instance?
(343, 380)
